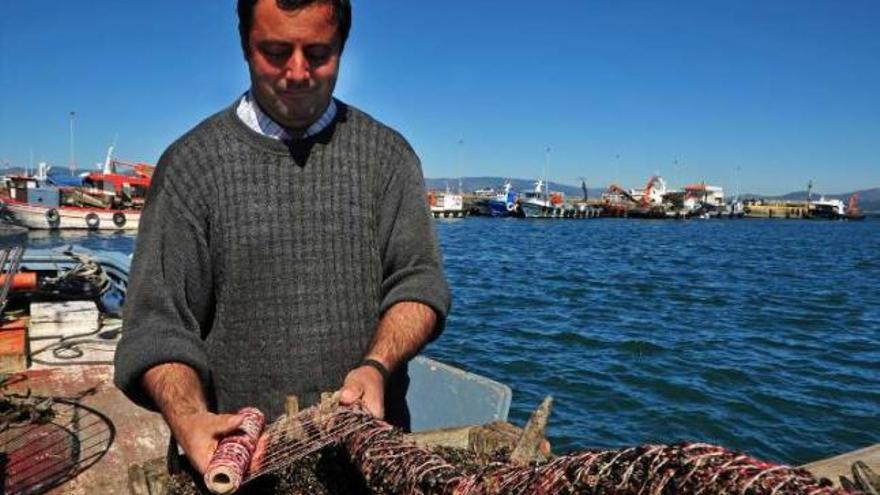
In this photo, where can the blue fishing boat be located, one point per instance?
(503, 204)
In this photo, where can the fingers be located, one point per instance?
(351, 393)
(364, 385)
(544, 447)
(375, 404)
(259, 453)
(205, 435)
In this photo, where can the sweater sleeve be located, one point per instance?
(168, 306)
(411, 261)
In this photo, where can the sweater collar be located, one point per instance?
(250, 113)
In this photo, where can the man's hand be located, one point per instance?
(178, 394)
(365, 385)
(198, 435)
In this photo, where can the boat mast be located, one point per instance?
(544, 174)
(460, 164)
(72, 154)
(737, 184)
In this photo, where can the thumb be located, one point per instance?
(350, 394)
(227, 423)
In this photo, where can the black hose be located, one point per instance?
(67, 348)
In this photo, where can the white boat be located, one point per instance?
(540, 204)
(832, 209)
(40, 216)
(446, 204)
(38, 203)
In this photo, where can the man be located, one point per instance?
(286, 247)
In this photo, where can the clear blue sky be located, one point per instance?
(785, 91)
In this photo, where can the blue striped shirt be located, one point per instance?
(260, 122)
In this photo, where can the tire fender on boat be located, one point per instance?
(119, 219)
(93, 220)
(53, 217)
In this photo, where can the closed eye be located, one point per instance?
(318, 54)
(275, 51)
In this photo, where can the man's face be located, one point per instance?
(294, 61)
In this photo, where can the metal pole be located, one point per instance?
(460, 164)
(72, 154)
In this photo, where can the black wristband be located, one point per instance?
(376, 365)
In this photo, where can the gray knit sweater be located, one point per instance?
(267, 266)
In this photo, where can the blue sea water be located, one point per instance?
(760, 335)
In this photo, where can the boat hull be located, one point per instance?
(498, 208)
(42, 217)
(534, 210)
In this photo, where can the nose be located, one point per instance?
(297, 71)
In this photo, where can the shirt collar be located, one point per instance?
(260, 122)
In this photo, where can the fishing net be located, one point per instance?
(349, 452)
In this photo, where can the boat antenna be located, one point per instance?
(809, 192)
(72, 154)
(30, 163)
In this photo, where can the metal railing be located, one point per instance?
(12, 244)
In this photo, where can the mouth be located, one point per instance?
(295, 94)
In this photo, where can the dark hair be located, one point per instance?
(341, 10)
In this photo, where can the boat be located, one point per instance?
(539, 203)
(827, 209)
(446, 204)
(832, 209)
(642, 203)
(492, 203)
(836, 209)
(52, 217)
(503, 204)
(105, 201)
(733, 209)
(96, 436)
